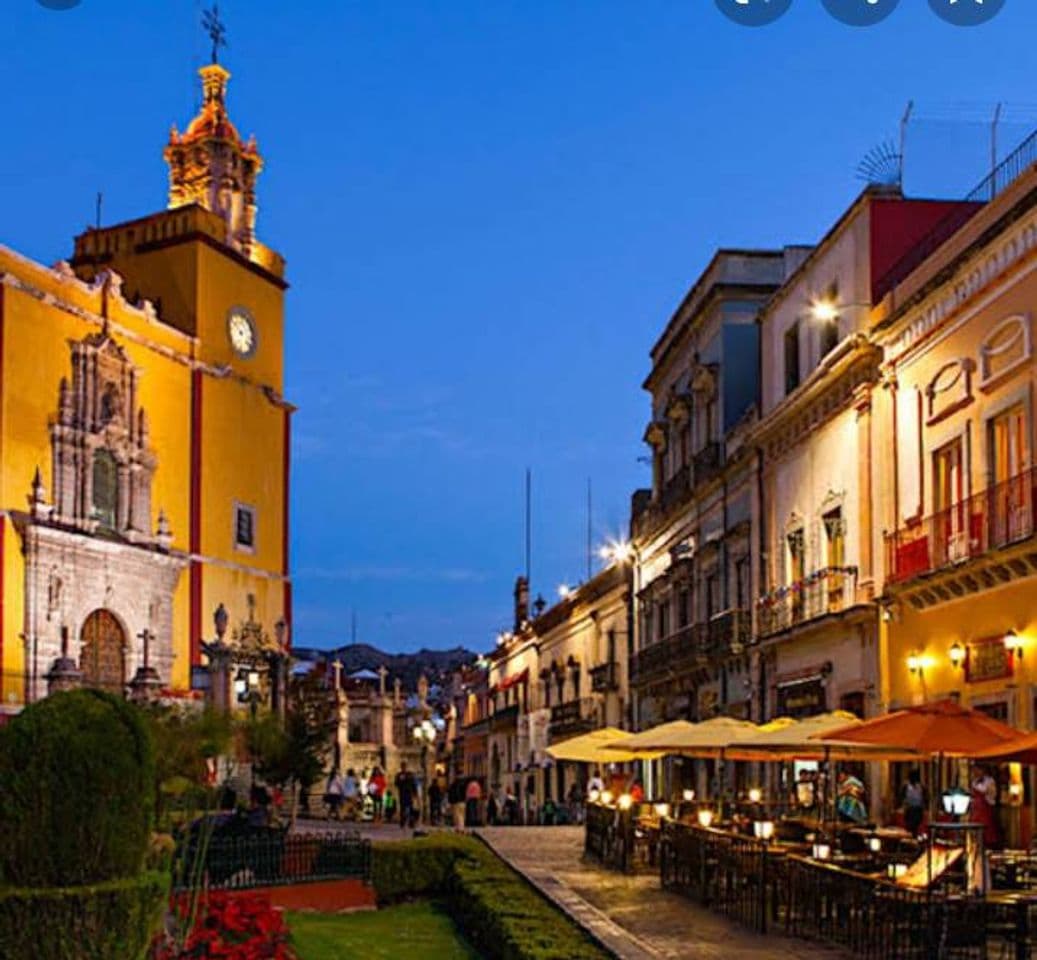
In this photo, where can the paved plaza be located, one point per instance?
(631, 915)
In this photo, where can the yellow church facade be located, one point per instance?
(144, 435)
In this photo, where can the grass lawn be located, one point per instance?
(409, 930)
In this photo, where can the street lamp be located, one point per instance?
(956, 802)
(424, 734)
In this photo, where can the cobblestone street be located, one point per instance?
(630, 914)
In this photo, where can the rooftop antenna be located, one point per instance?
(97, 214)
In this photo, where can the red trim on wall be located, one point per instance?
(286, 522)
(196, 519)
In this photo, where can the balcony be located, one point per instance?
(678, 653)
(708, 462)
(504, 719)
(676, 489)
(729, 633)
(605, 677)
(826, 591)
(576, 716)
(987, 521)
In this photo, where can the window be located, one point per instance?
(683, 608)
(792, 358)
(949, 527)
(664, 618)
(835, 556)
(1011, 508)
(244, 527)
(796, 570)
(105, 499)
(742, 585)
(828, 337)
(712, 597)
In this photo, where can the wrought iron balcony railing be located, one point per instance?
(996, 518)
(574, 716)
(829, 590)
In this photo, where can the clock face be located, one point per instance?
(242, 332)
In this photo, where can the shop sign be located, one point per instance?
(802, 698)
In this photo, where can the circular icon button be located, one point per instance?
(753, 13)
(860, 13)
(966, 13)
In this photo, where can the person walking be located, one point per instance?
(376, 790)
(913, 801)
(333, 795)
(473, 795)
(406, 791)
(456, 799)
(435, 801)
(351, 794)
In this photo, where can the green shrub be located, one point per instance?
(76, 792)
(107, 921)
(503, 916)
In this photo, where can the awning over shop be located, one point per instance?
(508, 682)
(591, 747)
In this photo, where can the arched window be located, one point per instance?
(106, 489)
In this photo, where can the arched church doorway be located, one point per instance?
(102, 658)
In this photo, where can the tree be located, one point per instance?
(291, 755)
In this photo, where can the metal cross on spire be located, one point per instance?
(216, 29)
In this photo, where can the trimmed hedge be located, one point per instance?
(105, 921)
(77, 783)
(503, 916)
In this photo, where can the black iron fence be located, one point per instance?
(272, 858)
(609, 836)
(733, 875)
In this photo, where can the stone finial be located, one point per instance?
(423, 690)
(163, 533)
(397, 688)
(38, 506)
(382, 674)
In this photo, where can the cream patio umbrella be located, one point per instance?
(640, 744)
(591, 748)
(708, 739)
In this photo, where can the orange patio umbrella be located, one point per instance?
(943, 728)
(1021, 750)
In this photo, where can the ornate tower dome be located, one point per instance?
(210, 164)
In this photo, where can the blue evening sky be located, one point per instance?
(489, 209)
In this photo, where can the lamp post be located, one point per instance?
(424, 734)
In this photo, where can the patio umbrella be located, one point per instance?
(640, 743)
(706, 739)
(590, 747)
(944, 728)
(1021, 750)
(797, 740)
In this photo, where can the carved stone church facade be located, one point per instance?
(99, 575)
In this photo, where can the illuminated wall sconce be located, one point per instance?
(957, 655)
(918, 662)
(1014, 644)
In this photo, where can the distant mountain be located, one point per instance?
(437, 665)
